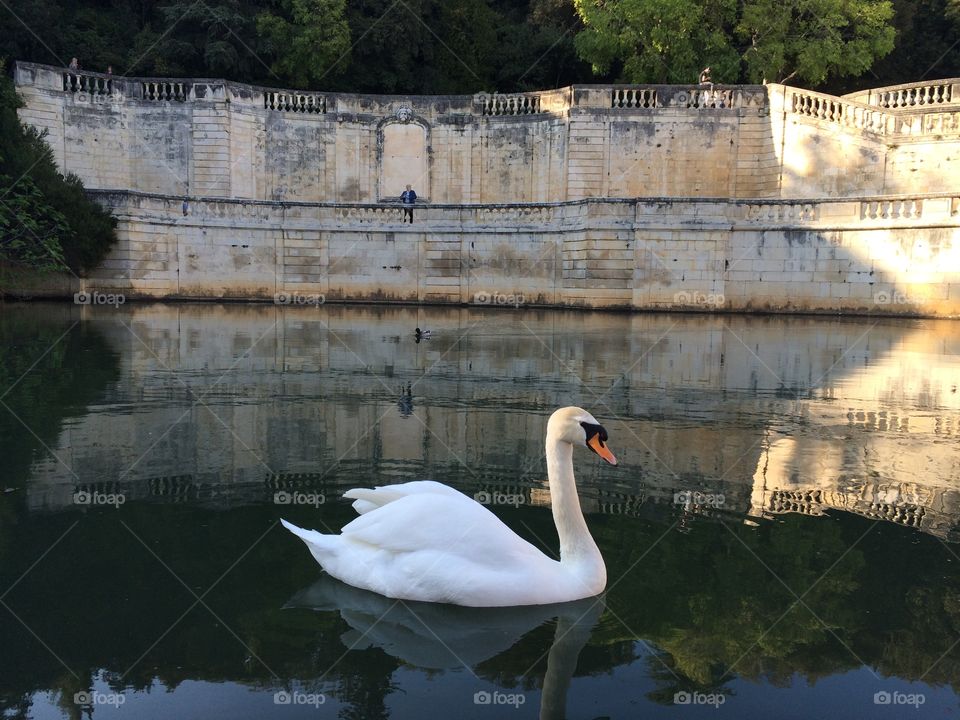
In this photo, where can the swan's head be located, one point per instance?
(578, 427)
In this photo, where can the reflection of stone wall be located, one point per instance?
(295, 398)
(935, 510)
(903, 476)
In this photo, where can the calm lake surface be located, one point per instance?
(781, 536)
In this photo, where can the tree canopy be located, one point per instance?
(466, 46)
(670, 40)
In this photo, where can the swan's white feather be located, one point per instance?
(427, 541)
(424, 546)
(368, 499)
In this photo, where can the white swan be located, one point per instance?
(426, 541)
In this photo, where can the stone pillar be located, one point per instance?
(210, 172)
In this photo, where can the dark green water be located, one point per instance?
(780, 537)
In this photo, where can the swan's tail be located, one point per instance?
(318, 543)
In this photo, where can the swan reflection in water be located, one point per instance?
(436, 636)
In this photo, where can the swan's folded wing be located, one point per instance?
(367, 499)
(451, 524)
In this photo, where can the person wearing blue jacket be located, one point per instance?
(408, 197)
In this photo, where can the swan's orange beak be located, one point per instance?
(596, 444)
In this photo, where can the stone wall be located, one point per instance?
(843, 148)
(761, 198)
(207, 138)
(202, 137)
(878, 256)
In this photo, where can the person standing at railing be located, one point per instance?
(408, 197)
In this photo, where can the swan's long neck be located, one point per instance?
(576, 544)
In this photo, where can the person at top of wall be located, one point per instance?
(408, 197)
(708, 97)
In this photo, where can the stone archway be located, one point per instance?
(403, 159)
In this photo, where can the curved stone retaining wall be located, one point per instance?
(884, 255)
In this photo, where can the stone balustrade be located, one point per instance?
(369, 213)
(934, 210)
(157, 90)
(910, 95)
(512, 104)
(781, 212)
(483, 104)
(641, 97)
(832, 109)
(891, 209)
(874, 119)
(697, 97)
(86, 82)
(911, 110)
(285, 101)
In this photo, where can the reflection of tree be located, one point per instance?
(52, 378)
(68, 376)
(364, 683)
(701, 600)
(706, 599)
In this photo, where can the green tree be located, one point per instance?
(926, 45)
(212, 39)
(659, 40)
(812, 40)
(468, 31)
(30, 228)
(46, 219)
(670, 40)
(310, 41)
